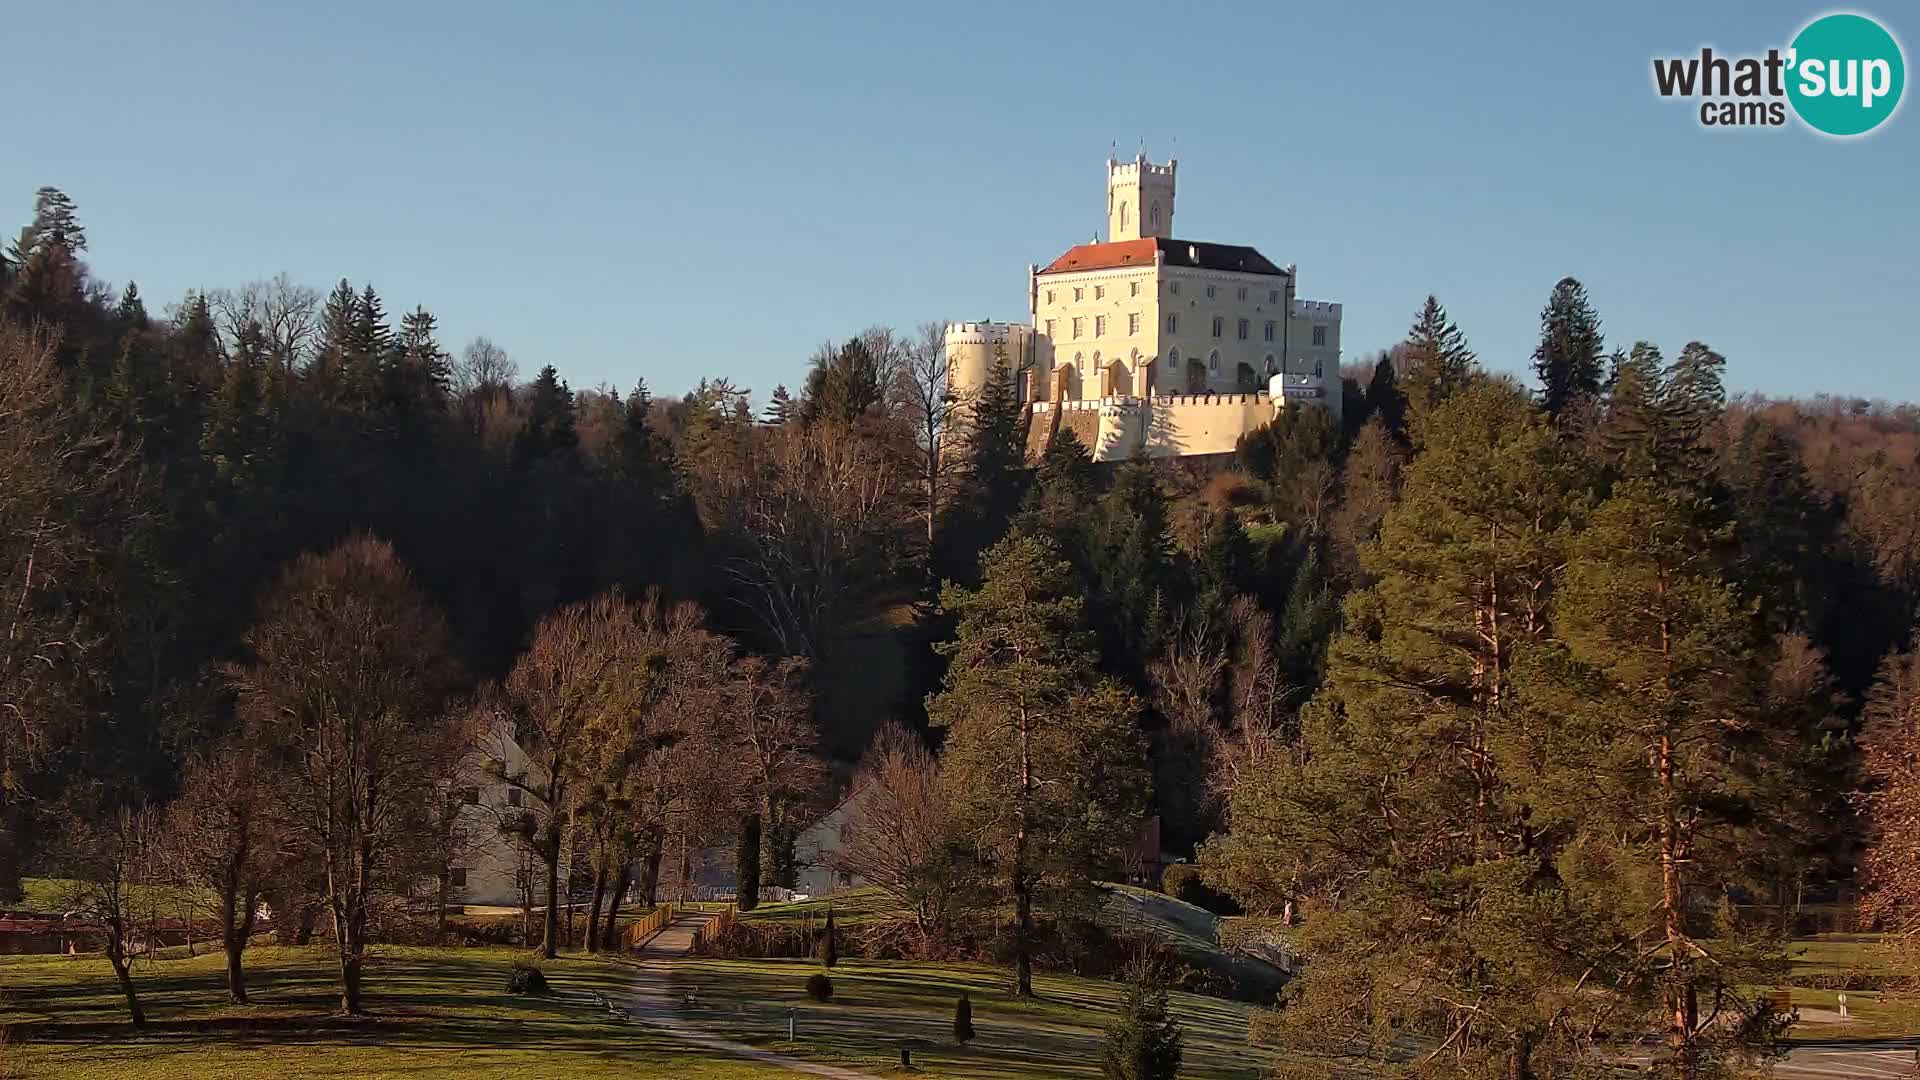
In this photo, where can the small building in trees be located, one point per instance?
(1147, 342)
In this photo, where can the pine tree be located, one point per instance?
(418, 379)
(1446, 919)
(843, 385)
(1043, 764)
(1130, 552)
(780, 409)
(327, 372)
(747, 864)
(131, 310)
(1567, 360)
(1145, 1041)
(549, 429)
(1633, 429)
(1437, 365)
(1064, 489)
(829, 942)
(1385, 398)
(1664, 747)
(990, 430)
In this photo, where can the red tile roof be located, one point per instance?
(1191, 253)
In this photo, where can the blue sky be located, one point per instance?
(630, 190)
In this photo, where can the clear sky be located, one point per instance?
(673, 191)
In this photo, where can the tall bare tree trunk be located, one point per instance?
(613, 904)
(1022, 886)
(593, 907)
(551, 926)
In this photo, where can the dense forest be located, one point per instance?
(1532, 715)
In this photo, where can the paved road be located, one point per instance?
(653, 1003)
(1856, 1059)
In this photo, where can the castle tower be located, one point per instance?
(1139, 198)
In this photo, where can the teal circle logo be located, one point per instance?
(1845, 74)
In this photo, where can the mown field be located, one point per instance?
(438, 1014)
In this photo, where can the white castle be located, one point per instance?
(1176, 347)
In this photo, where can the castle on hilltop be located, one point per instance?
(1145, 342)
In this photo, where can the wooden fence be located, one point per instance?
(720, 924)
(641, 929)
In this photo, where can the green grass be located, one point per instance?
(438, 1014)
(877, 1005)
(57, 894)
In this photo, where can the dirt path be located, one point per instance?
(654, 1006)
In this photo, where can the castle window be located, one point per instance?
(1050, 324)
(1174, 286)
(1273, 296)
(1209, 292)
(1219, 325)
(1049, 296)
(1153, 216)
(1099, 292)
(1077, 325)
(1242, 329)
(1213, 360)
(1319, 335)
(1173, 357)
(1242, 294)
(1268, 331)
(1099, 326)
(1133, 323)
(1173, 323)
(1123, 217)
(1319, 368)
(1079, 294)
(1133, 288)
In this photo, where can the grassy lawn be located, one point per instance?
(1872, 1013)
(877, 1005)
(440, 1014)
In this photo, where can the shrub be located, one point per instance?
(527, 978)
(963, 1020)
(1144, 1042)
(829, 943)
(1182, 882)
(819, 987)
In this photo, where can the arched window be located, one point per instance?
(1268, 365)
(1123, 217)
(1213, 360)
(1173, 356)
(1173, 323)
(1153, 216)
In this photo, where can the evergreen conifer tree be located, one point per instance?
(1043, 763)
(1145, 1041)
(747, 864)
(1437, 365)
(1567, 360)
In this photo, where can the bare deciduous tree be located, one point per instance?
(288, 314)
(923, 390)
(814, 517)
(350, 671)
(895, 836)
(584, 677)
(226, 833)
(107, 856)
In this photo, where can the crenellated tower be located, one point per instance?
(1139, 198)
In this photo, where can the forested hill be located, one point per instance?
(162, 462)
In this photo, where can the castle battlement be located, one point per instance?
(1141, 167)
(1323, 308)
(980, 333)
